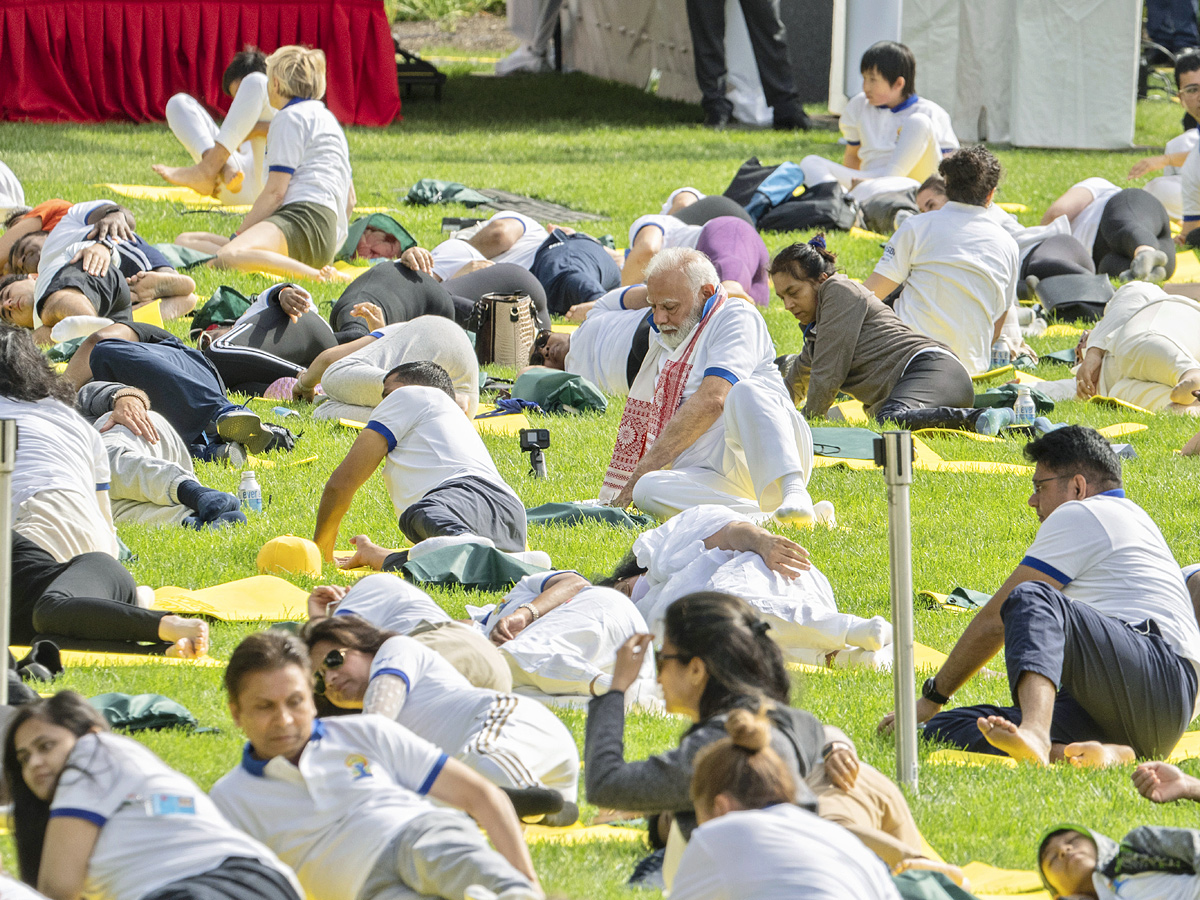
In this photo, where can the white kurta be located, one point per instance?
(1151, 351)
(802, 612)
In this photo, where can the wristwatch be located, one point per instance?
(930, 692)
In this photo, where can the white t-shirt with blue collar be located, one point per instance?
(874, 129)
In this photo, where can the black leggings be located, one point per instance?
(237, 878)
(402, 293)
(935, 391)
(90, 597)
(269, 346)
(502, 278)
(712, 207)
(1059, 254)
(1131, 219)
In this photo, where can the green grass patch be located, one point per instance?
(618, 151)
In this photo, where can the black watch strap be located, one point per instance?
(930, 692)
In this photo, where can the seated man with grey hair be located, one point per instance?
(708, 419)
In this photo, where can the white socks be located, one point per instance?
(796, 508)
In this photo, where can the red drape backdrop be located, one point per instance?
(95, 60)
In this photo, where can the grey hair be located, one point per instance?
(697, 269)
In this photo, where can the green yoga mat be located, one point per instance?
(571, 513)
(472, 565)
(844, 443)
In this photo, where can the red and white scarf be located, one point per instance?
(654, 398)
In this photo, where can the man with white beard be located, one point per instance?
(708, 419)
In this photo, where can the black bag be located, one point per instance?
(751, 174)
(822, 206)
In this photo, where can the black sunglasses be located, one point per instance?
(660, 658)
(333, 659)
(542, 339)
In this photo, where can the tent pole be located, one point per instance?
(8, 461)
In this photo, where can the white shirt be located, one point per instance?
(599, 349)
(10, 888)
(430, 441)
(1086, 225)
(779, 853)
(698, 194)
(959, 271)
(451, 255)
(1147, 886)
(139, 802)
(1190, 172)
(676, 233)
(1181, 143)
(1108, 553)
(1026, 237)
(57, 450)
(874, 129)
(361, 779)
(440, 705)
(390, 604)
(306, 142)
(522, 252)
(71, 229)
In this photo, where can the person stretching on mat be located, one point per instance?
(514, 742)
(772, 847)
(1097, 593)
(87, 804)
(299, 220)
(228, 161)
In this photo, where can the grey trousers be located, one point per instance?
(439, 854)
(146, 477)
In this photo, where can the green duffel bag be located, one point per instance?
(142, 712)
(224, 307)
(559, 392)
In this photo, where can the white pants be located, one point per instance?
(145, 476)
(191, 124)
(916, 155)
(519, 743)
(765, 439)
(1151, 353)
(66, 524)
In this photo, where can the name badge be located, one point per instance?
(170, 805)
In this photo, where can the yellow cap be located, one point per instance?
(289, 554)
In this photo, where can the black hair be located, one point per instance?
(971, 175)
(425, 373)
(14, 215)
(264, 651)
(351, 631)
(1077, 450)
(892, 61)
(15, 250)
(24, 372)
(1186, 62)
(30, 814)
(805, 262)
(626, 568)
(934, 182)
(726, 633)
(247, 62)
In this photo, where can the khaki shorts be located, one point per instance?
(310, 231)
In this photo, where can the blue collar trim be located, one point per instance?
(708, 304)
(258, 767)
(296, 100)
(903, 105)
(1115, 492)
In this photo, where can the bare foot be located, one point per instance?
(1093, 754)
(198, 179)
(189, 636)
(366, 553)
(1016, 742)
(331, 273)
(147, 286)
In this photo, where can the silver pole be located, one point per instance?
(897, 474)
(8, 462)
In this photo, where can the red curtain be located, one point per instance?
(96, 60)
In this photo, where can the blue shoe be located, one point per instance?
(1044, 426)
(990, 421)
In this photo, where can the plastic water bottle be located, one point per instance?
(249, 493)
(1000, 355)
(1025, 411)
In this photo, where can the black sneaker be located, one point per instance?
(648, 872)
(718, 120)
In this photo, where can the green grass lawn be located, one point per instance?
(618, 151)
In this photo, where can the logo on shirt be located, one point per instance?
(889, 251)
(359, 766)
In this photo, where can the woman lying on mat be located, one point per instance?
(772, 847)
(87, 804)
(299, 221)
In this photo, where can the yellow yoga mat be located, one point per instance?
(851, 411)
(173, 193)
(509, 424)
(965, 758)
(257, 462)
(1121, 429)
(563, 327)
(990, 881)
(1013, 207)
(863, 234)
(968, 435)
(97, 658)
(351, 423)
(581, 834)
(1187, 748)
(1118, 404)
(246, 600)
(149, 313)
(1028, 378)
(1187, 268)
(1060, 329)
(1002, 371)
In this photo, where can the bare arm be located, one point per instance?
(268, 201)
(311, 377)
(366, 453)
(879, 286)
(1156, 163)
(850, 157)
(65, 856)
(63, 304)
(780, 554)
(558, 590)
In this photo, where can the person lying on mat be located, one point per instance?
(228, 161)
(855, 344)
(299, 221)
(772, 847)
(514, 742)
(87, 803)
(709, 419)
(1097, 593)
(74, 291)
(348, 801)
(1076, 862)
(609, 345)
(438, 473)
(712, 548)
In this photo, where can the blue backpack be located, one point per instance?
(781, 185)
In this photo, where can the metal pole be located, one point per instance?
(897, 474)
(8, 461)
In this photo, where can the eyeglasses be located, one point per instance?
(660, 658)
(333, 659)
(537, 355)
(1038, 482)
(1190, 91)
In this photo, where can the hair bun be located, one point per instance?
(748, 730)
(818, 241)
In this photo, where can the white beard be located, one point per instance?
(674, 338)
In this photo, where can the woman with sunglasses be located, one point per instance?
(512, 741)
(99, 815)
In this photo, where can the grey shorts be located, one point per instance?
(310, 231)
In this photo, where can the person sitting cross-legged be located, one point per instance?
(1098, 632)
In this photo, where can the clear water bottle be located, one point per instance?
(1025, 411)
(1000, 355)
(250, 494)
